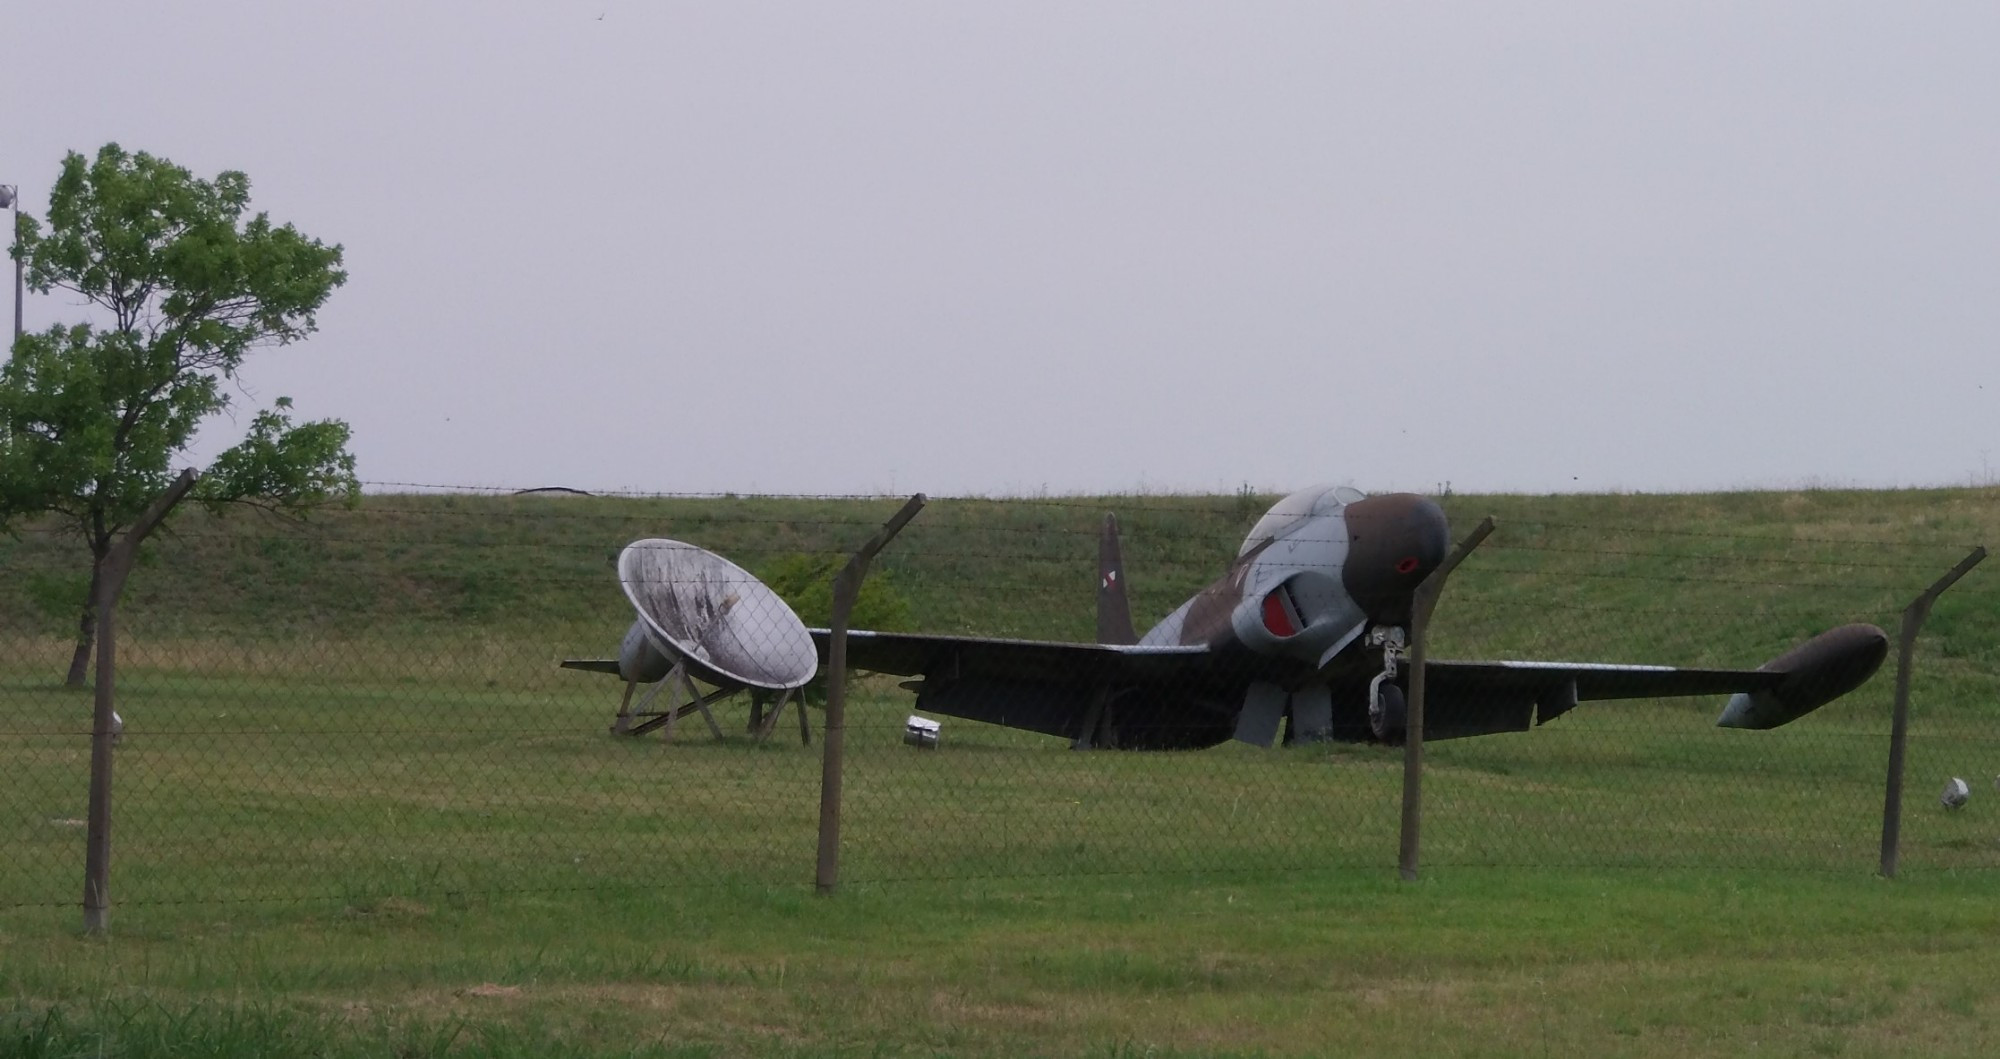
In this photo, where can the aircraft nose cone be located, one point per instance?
(1394, 541)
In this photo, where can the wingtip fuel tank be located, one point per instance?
(1812, 674)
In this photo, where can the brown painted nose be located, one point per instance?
(1393, 542)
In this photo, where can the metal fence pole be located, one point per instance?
(846, 589)
(1899, 725)
(1421, 607)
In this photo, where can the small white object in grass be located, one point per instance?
(1955, 793)
(117, 727)
(921, 732)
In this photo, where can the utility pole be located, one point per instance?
(10, 196)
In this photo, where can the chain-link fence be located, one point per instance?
(370, 705)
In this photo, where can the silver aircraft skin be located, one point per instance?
(1304, 637)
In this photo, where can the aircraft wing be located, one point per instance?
(1484, 698)
(1034, 685)
(1596, 680)
(915, 654)
(918, 654)
(1475, 698)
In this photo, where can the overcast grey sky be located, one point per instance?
(1002, 247)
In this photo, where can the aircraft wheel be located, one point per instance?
(1389, 713)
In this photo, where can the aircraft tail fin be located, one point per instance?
(1114, 613)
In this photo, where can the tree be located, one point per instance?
(805, 582)
(94, 415)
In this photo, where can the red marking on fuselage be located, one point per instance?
(1276, 616)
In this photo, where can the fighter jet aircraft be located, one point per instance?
(1304, 637)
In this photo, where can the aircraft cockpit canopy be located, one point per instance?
(1288, 513)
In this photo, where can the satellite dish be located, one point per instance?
(729, 628)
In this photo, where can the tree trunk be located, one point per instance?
(86, 630)
(107, 574)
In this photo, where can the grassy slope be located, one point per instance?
(379, 681)
(517, 567)
(517, 564)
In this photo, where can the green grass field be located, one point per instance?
(360, 812)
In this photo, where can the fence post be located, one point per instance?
(116, 567)
(846, 588)
(1424, 602)
(1899, 724)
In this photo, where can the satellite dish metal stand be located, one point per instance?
(763, 724)
(677, 683)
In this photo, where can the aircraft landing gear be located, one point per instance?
(1388, 712)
